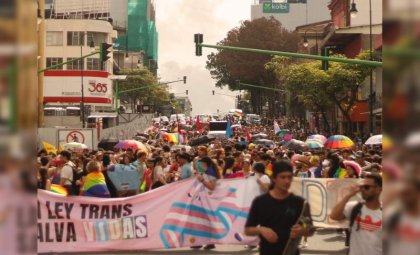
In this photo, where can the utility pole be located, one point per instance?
(41, 62)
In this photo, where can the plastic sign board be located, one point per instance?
(84, 136)
(276, 7)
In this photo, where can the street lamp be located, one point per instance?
(305, 40)
(353, 14)
(82, 67)
(353, 10)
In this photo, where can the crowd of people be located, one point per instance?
(88, 173)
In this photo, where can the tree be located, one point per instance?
(153, 93)
(344, 83)
(307, 81)
(318, 88)
(227, 66)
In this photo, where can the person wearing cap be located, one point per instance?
(302, 167)
(275, 216)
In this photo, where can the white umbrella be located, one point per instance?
(374, 140)
(75, 145)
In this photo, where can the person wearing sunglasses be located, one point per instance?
(365, 217)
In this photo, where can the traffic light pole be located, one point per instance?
(260, 87)
(290, 55)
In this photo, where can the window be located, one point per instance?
(75, 38)
(55, 61)
(96, 37)
(54, 39)
(93, 64)
(76, 65)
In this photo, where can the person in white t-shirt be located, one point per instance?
(402, 224)
(262, 179)
(366, 229)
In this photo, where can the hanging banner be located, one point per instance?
(180, 214)
(322, 195)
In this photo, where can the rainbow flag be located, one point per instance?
(59, 189)
(341, 173)
(237, 113)
(269, 169)
(95, 185)
(172, 137)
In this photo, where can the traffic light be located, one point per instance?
(198, 39)
(213, 92)
(186, 92)
(104, 53)
(185, 79)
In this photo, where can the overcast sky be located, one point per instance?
(177, 22)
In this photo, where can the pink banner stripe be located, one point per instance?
(193, 213)
(200, 227)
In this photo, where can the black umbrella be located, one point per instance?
(265, 142)
(258, 136)
(108, 144)
(295, 145)
(201, 140)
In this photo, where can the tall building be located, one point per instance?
(75, 28)
(137, 43)
(291, 13)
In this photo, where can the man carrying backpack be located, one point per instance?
(67, 173)
(365, 217)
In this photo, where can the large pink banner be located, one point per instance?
(181, 214)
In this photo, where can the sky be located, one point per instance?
(177, 22)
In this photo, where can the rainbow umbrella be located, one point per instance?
(320, 138)
(338, 142)
(133, 144)
(314, 144)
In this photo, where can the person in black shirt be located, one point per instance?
(274, 215)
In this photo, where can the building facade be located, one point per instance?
(349, 36)
(184, 105)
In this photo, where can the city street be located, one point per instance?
(164, 124)
(324, 242)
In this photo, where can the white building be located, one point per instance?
(68, 39)
(292, 13)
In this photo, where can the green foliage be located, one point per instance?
(154, 94)
(319, 89)
(227, 66)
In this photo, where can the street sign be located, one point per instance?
(84, 136)
(275, 7)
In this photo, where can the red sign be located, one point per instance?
(75, 136)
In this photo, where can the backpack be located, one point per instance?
(74, 186)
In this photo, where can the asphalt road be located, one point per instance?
(322, 243)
